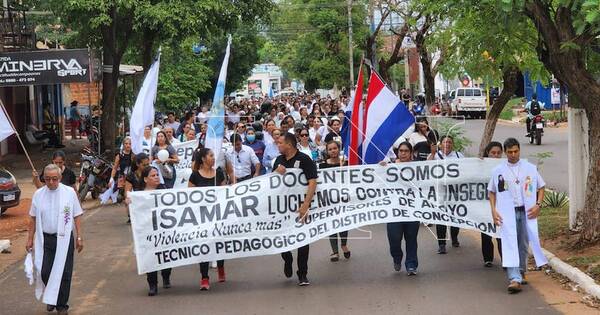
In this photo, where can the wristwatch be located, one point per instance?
(79, 238)
(538, 204)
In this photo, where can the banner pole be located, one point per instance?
(17, 134)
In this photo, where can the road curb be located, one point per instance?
(574, 274)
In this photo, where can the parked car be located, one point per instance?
(10, 194)
(469, 101)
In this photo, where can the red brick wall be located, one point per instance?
(79, 92)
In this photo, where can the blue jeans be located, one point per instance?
(407, 230)
(514, 273)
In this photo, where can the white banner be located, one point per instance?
(183, 169)
(258, 217)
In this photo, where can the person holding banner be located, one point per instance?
(292, 158)
(203, 175)
(446, 153)
(134, 180)
(408, 231)
(333, 160)
(515, 208)
(151, 181)
(492, 150)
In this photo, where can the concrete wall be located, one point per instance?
(578, 161)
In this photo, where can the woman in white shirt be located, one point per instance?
(446, 152)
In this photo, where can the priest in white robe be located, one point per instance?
(516, 191)
(55, 210)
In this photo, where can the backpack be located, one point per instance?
(535, 108)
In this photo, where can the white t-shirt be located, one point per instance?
(202, 117)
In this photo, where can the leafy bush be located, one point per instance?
(555, 199)
(457, 132)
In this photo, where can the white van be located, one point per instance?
(469, 101)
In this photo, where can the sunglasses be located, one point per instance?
(303, 135)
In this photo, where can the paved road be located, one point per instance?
(106, 282)
(555, 169)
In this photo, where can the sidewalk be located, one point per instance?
(13, 223)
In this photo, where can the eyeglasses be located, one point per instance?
(51, 179)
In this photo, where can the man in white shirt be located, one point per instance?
(516, 191)
(243, 158)
(55, 210)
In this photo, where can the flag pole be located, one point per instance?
(17, 134)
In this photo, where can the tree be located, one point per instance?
(313, 40)
(568, 32)
(114, 25)
(498, 55)
(398, 33)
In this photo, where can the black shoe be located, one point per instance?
(303, 281)
(153, 290)
(397, 267)
(488, 264)
(455, 244)
(334, 257)
(166, 283)
(287, 269)
(528, 135)
(128, 221)
(442, 249)
(347, 254)
(50, 308)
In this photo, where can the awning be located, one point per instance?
(125, 69)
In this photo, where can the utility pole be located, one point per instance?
(372, 28)
(350, 51)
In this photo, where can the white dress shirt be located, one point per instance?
(242, 161)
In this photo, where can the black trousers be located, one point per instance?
(441, 234)
(302, 259)
(333, 240)
(48, 262)
(204, 267)
(487, 247)
(528, 124)
(152, 277)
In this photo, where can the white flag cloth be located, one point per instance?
(216, 122)
(5, 126)
(143, 110)
(28, 268)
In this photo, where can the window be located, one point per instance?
(469, 92)
(461, 92)
(477, 92)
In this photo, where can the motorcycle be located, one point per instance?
(94, 175)
(537, 129)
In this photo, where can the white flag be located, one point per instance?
(6, 128)
(143, 110)
(216, 122)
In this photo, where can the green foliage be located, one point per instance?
(183, 77)
(555, 199)
(310, 40)
(456, 131)
(553, 222)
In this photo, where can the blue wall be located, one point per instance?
(543, 92)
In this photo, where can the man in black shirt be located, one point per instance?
(292, 158)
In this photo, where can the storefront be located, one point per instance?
(31, 80)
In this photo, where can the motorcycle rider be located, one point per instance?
(533, 108)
